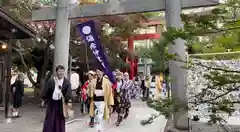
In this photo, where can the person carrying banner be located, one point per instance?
(100, 92)
(123, 97)
(101, 88)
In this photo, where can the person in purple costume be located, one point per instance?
(56, 86)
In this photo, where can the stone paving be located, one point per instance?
(32, 120)
(139, 111)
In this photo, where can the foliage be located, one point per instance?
(212, 32)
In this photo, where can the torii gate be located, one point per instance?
(65, 11)
(131, 39)
(145, 36)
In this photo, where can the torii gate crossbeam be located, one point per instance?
(116, 8)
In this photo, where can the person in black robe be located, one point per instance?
(17, 90)
(55, 120)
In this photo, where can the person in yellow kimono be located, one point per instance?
(101, 99)
(147, 84)
(159, 82)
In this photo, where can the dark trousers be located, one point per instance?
(91, 119)
(17, 101)
(122, 109)
(115, 100)
(147, 93)
(85, 106)
(82, 106)
(143, 92)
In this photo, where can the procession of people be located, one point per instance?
(99, 97)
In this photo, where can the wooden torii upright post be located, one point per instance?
(65, 11)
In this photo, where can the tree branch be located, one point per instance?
(26, 68)
(215, 98)
(217, 69)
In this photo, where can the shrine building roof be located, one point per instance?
(12, 28)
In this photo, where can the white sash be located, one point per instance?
(57, 92)
(99, 92)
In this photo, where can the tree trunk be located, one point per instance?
(26, 68)
(1, 82)
(44, 67)
(42, 72)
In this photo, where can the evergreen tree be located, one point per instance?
(213, 31)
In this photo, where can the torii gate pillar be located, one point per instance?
(62, 36)
(177, 73)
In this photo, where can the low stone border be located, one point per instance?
(169, 127)
(74, 120)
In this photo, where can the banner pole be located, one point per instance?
(86, 56)
(89, 34)
(85, 44)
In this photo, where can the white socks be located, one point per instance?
(15, 113)
(42, 104)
